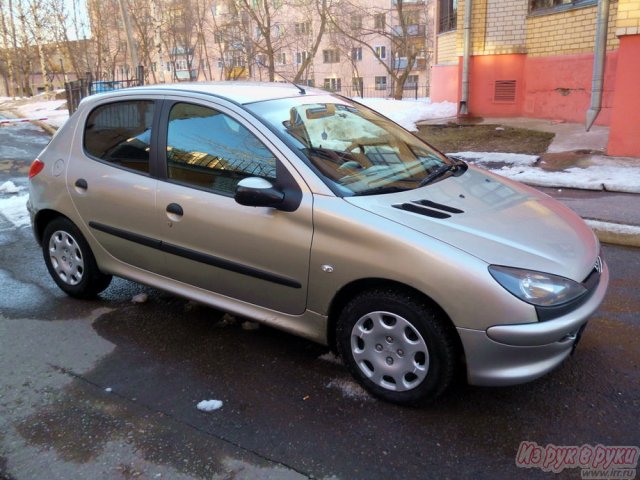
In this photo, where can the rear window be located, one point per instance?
(120, 134)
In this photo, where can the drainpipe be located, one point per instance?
(599, 56)
(464, 99)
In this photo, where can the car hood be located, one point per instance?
(497, 220)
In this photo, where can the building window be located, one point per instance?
(310, 82)
(281, 58)
(411, 82)
(381, 83)
(301, 57)
(560, 4)
(333, 84)
(303, 28)
(357, 84)
(381, 52)
(356, 22)
(447, 17)
(379, 21)
(356, 54)
(331, 56)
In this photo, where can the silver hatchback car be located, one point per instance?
(311, 213)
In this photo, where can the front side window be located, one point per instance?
(210, 150)
(120, 134)
(355, 150)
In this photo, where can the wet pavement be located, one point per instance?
(107, 389)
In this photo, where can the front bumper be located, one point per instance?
(512, 354)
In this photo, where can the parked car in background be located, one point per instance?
(313, 214)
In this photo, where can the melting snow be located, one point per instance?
(496, 157)
(9, 187)
(331, 358)
(14, 209)
(209, 405)
(408, 112)
(349, 389)
(140, 298)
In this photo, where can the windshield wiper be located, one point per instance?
(380, 190)
(457, 168)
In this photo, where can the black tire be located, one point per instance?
(405, 332)
(70, 261)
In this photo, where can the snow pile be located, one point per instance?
(56, 116)
(14, 209)
(603, 176)
(408, 112)
(349, 389)
(209, 405)
(496, 157)
(615, 179)
(9, 187)
(617, 228)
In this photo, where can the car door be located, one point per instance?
(259, 255)
(110, 182)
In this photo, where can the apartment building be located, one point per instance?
(351, 46)
(535, 58)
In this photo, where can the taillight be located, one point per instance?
(36, 168)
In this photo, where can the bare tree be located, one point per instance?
(263, 31)
(8, 50)
(403, 28)
(314, 9)
(179, 36)
(144, 33)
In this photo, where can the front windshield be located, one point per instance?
(355, 150)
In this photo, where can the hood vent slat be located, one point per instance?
(439, 206)
(412, 207)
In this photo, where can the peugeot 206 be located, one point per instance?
(311, 213)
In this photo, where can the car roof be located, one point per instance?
(237, 91)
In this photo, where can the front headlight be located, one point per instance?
(537, 288)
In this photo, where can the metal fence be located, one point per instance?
(78, 89)
(414, 91)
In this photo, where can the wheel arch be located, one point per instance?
(42, 219)
(348, 291)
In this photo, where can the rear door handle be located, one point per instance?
(175, 209)
(82, 184)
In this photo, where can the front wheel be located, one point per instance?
(397, 346)
(70, 260)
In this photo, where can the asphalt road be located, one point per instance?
(108, 389)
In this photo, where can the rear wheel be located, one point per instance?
(397, 346)
(70, 260)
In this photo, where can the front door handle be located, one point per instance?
(175, 209)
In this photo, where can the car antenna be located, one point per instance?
(302, 90)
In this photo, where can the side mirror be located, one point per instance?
(258, 192)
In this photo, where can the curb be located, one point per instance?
(615, 233)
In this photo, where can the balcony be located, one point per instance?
(414, 30)
(419, 63)
(410, 3)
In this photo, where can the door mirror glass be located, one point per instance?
(258, 192)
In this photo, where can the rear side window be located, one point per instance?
(120, 133)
